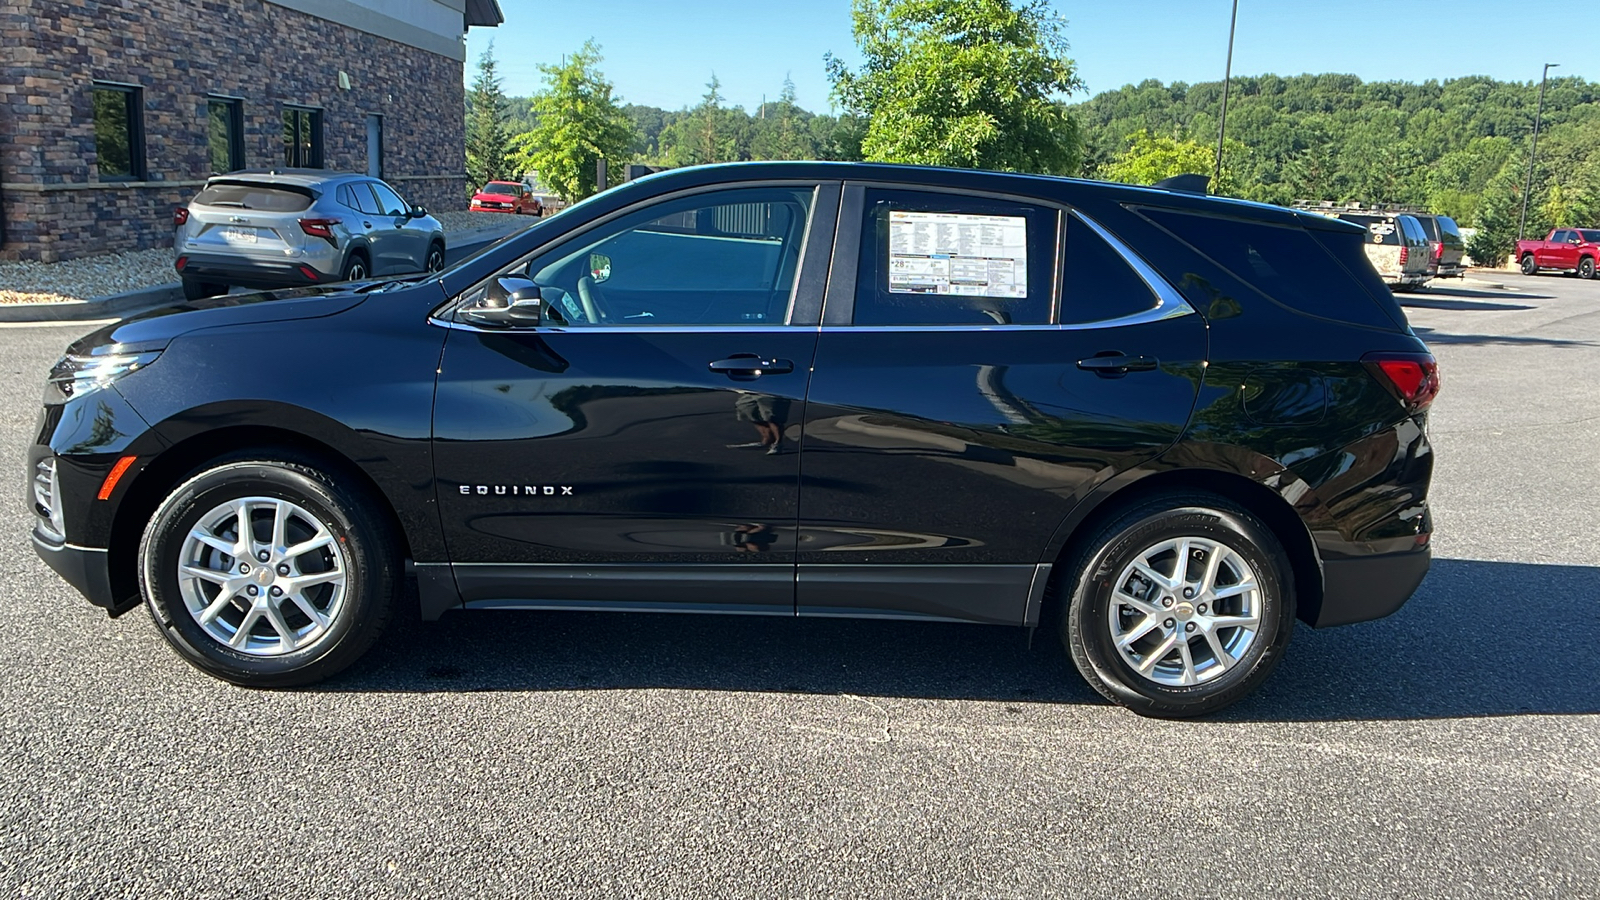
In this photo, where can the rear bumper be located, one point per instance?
(1363, 588)
(253, 274)
(86, 569)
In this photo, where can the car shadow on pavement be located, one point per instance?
(1478, 639)
(1508, 340)
(1440, 292)
(1413, 301)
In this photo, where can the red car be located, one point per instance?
(507, 197)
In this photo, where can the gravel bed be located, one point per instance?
(116, 273)
(22, 281)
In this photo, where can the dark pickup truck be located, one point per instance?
(1569, 249)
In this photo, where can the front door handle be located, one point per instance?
(1118, 365)
(749, 365)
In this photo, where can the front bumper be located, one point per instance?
(86, 569)
(1363, 588)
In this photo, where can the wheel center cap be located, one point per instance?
(264, 576)
(1185, 610)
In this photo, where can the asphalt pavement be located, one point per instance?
(1447, 751)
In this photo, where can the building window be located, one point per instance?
(302, 137)
(119, 132)
(375, 146)
(225, 133)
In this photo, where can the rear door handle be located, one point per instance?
(750, 365)
(1111, 366)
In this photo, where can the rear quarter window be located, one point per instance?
(1324, 274)
(259, 197)
(1386, 232)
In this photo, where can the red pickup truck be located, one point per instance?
(1571, 249)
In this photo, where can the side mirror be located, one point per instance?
(599, 267)
(527, 307)
(417, 212)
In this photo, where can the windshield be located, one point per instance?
(501, 187)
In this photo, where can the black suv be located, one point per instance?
(1166, 425)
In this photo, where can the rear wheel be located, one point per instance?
(199, 290)
(268, 573)
(1529, 267)
(1179, 606)
(1586, 268)
(435, 260)
(356, 268)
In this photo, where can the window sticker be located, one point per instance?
(958, 254)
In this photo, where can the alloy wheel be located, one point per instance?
(435, 259)
(1185, 611)
(263, 576)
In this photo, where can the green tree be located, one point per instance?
(1150, 158)
(709, 133)
(580, 123)
(971, 83)
(487, 115)
(782, 131)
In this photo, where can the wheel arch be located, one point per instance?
(176, 463)
(1267, 504)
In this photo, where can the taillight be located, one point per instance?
(1438, 251)
(1414, 377)
(322, 228)
(1405, 254)
(180, 216)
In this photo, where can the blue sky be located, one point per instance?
(662, 53)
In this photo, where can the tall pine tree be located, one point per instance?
(487, 115)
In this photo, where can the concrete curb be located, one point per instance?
(118, 306)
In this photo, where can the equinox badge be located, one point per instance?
(518, 490)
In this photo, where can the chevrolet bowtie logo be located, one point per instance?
(517, 490)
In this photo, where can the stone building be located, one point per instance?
(114, 112)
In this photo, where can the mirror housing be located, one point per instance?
(527, 307)
(416, 212)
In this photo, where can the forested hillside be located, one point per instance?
(1457, 146)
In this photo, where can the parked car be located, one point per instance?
(1568, 249)
(1164, 425)
(507, 197)
(292, 227)
(1446, 247)
(1397, 246)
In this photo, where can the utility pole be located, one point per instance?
(1227, 77)
(1533, 151)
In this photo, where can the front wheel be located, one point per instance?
(1179, 606)
(1529, 267)
(435, 261)
(1586, 269)
(268, 573)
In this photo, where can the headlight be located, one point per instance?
(74, 375)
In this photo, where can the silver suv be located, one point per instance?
(293, 227)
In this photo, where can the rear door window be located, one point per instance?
(948, 259)
(1590, 236)
(258, 197)
(1323, 274)
(1100, 285)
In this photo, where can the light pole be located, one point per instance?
(1533, 151)
(1227, 77)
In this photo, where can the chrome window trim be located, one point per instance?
(1170, 304)
(762, 328)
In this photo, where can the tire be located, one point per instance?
(337, 596)
(434, 261)
(1529, 267)
(1175, 687)
(200, 290)
(356, 268)
(1586, 268)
